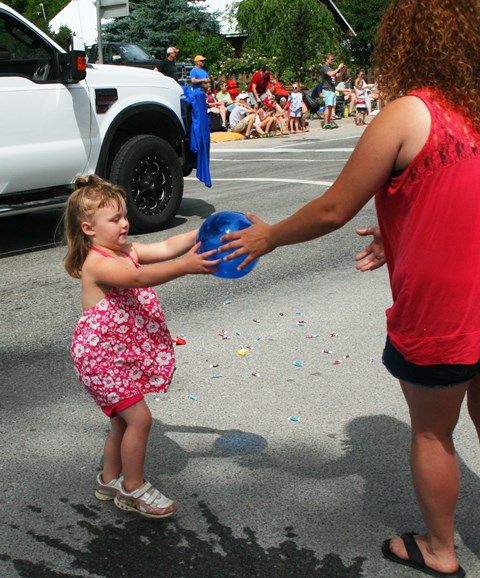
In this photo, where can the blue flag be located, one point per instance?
(199, 133)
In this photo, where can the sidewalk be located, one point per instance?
(347, 129)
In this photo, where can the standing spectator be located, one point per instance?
(361, 95)
(295, 99)
(242, 117)
(328, 89)
(198, 74)
(258, 87)
(168, 66)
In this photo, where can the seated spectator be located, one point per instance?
(276, 112)
(232, 88)
(215, 106)
(264, 119)
(224, 96)
(345, 88)
(277, 89)
(242, 117)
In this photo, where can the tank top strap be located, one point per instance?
(105, 254)
(101, 252)
(137, 265)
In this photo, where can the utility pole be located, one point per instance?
(43, 11)
(99, 33)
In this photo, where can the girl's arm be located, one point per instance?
(115, 273)
(387, 138)
(165, 250)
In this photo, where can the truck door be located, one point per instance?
(44, 124)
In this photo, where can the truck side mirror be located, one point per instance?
(74, 61)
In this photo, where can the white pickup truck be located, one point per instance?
(61, 117)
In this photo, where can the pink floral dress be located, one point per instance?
(121, 347)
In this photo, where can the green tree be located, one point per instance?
(214, 47)
(296, 33)
(156, 24)
(32, 10)
(364, 16)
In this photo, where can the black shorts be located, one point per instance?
(427, 375)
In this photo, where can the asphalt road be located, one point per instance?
(259, 495)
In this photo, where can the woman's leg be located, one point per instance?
(223, 114)
(473, 400)
(138, 421)
(434, 414)
(112, 459)
(353, 102)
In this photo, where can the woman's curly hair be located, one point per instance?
(431, 44)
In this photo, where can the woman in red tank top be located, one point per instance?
(420, 158)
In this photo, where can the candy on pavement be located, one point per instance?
(298, 364)
(294, 418)
(242, 352)
(193, 397)
(227, 302)
(216, 376)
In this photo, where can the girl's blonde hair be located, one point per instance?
(90, 194)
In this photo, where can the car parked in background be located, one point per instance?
(128, 54)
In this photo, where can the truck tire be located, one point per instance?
(149, 170)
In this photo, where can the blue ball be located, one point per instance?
(210, 235)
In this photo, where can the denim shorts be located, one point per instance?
(427, 375)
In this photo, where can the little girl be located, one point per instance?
(360, 92)
(121, 347)
(295, 99)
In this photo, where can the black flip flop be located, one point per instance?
(416, 559)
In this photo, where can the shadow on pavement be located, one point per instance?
(43, 230)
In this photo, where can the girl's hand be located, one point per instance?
(373, 256)
(196, 263)
(254, 241)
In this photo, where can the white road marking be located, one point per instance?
(285, 150)
(279, 160)
(320, 141)
(267, 180)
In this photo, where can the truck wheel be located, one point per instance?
(148, 168)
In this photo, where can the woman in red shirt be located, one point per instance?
(420, 157)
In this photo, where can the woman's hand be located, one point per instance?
(373, 256)
(254, 241)
(195, 263)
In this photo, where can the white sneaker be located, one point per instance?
(146, 501)
(108, 491)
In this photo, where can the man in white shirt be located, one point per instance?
(242, 117)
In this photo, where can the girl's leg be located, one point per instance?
(291, 124)
(138, 421)
(434, 414)
(112, 459)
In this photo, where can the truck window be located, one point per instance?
(23, 53)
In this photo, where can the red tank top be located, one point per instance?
(429, 217)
